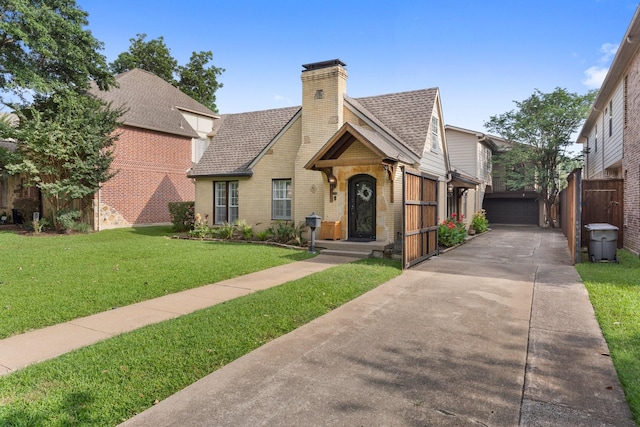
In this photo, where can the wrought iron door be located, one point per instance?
(362, 207)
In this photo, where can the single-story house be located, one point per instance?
(376, 167)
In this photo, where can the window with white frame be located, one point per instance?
(435, 134)
(225, 200)
(281, 204)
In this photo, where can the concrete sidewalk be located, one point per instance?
(497, 332)
(25, 349)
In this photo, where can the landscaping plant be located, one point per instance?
(452, 231)
(479, 222)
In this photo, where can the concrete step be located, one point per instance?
(345, 253)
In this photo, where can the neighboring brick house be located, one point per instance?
(339, 157)
(164, 133)
(611, 133)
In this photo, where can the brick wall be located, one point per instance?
(151, 172)
(631, 158)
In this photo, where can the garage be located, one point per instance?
(512, 211)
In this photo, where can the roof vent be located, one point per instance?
(323, 64)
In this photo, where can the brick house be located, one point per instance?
(163, 134)
(342, 158)
(611, 133)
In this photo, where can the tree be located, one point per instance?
(200, 82)
(195, 78)
(540, 130)
(44, 48)
(64, 146)
(153, 56)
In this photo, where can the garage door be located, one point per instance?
(512, 211)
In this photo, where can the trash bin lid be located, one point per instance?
(600, 226)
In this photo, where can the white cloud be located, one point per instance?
(594, 76)
(608, 52)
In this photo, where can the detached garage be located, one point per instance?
(516, 211)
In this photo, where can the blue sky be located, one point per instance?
(482, 55)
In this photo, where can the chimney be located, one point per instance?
(324, 85)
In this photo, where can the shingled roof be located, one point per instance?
(152, 103)
(240, 138)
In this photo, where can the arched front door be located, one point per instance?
(362, 207)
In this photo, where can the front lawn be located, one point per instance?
(614, 290)
(45, 280)
(109, 382)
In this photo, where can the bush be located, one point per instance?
(287, 233)
(39, 225)
(81, 227)
(245, 229)
(452, 231)
(479, 221)
(67, 218)
(200, 228)
(182, 215)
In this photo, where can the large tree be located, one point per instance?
(45, 47)
(64, 146)
(540, 130)
(196, 79)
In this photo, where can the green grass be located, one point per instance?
(45, 280)
(109, 382)
(614, 290)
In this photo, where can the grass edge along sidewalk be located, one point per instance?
(614, 291)
(53, 279)
(111, 381)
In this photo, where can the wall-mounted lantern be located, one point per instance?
(450, 189)
(313, 221)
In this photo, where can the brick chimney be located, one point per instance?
(324, 85)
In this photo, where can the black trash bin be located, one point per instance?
(17, 216)
(603, 242)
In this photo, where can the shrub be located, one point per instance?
(182, 215)
(245, 229)
(263, 235)
(452, 231)
(225, 231)
(40, 224)
(200, 227)
(67, 218)
(285, 232)
(479, 221)
(81, 227)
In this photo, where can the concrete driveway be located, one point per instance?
(497, 332)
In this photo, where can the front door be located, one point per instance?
(362, 207)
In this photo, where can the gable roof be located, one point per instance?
(152, 103)
(238, 139)
(401, 120)
(407, 115)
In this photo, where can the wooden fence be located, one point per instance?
(570, 213)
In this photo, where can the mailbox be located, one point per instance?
(313, 221)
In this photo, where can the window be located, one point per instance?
(435, 134)
(281, 206)
(610, 118)
(225, 201)
(625, 99)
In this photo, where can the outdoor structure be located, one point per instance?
(506, 205)
(611, 138)
(163, 134)
(470, 153)
(370, 167)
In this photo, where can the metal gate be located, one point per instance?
(420, 217)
